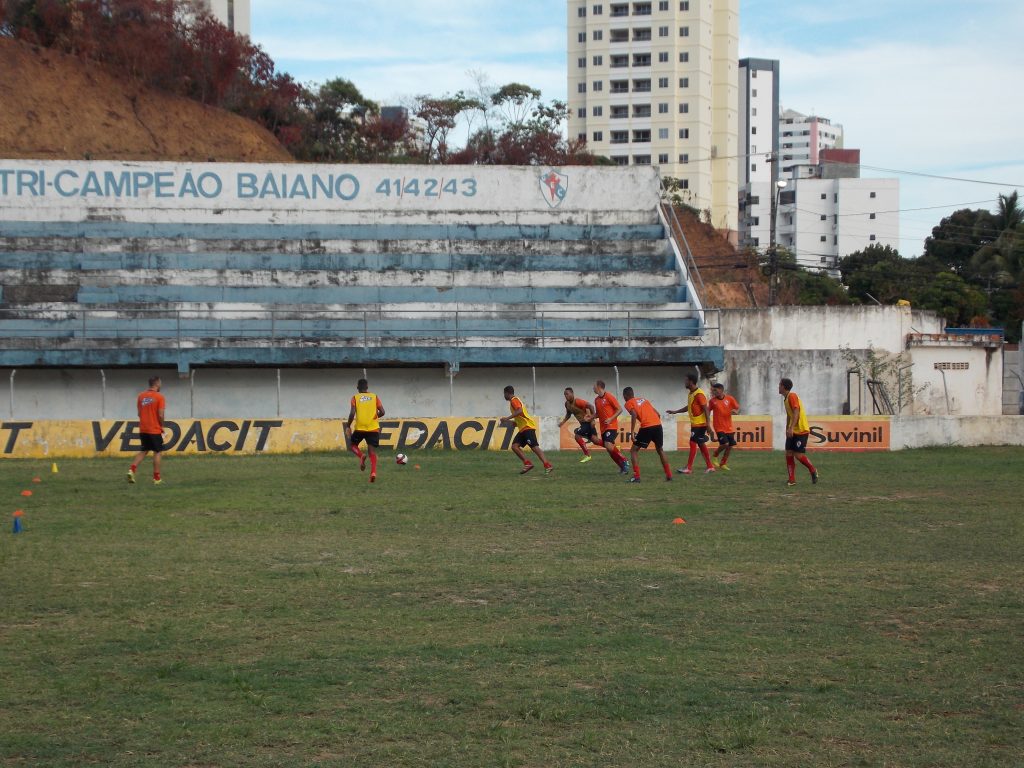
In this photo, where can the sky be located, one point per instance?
(922, 87)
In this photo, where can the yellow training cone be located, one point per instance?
(54, 469)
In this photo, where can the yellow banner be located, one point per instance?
(753, 433)
(80, 439)
(849, 433)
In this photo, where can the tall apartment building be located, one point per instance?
(233, 14)
(655, 82)
(804, 137)
(826, 211)
(758, 145)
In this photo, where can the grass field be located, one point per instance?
(281, 611)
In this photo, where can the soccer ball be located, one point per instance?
(401, 459)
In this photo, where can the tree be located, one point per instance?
(516, 102)
(441, 116)
(949, 295)
(879, 273)
(959, 236)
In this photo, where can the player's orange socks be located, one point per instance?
(583, 446)
(156, 475)
(134, 467)
(806, 462)
(356, 451)
(668, 471)
(791, 468)
(617, 457)
(373, 463)
(706, 455)
(693, 453)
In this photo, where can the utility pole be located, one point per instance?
(773, 256)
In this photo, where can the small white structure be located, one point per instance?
(758, 146)
(236, 15)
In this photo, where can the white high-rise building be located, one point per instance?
(758, 145)
(655, 82)
(233, 14)
(804, 137)
(827, 211)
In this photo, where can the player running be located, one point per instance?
(642, 410)
(366, 408)
(608, 410)
(150, 406)
(584, 412)
(527, 435)
(697, 408)
(797, 432)
(723, 407)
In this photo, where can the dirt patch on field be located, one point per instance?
(60, 107)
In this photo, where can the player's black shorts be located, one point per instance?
(154, 443)
(528, 437)
(586, 430)
(698, 435)
(371, 438)
(797, 443)
(726, 438)
(609, 435)
(647, 435)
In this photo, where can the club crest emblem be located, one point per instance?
(554, 186)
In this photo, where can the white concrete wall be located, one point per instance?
(976, 390)
(927, 431)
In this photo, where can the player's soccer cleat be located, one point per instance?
(709, 470)
(131, 477)
(791, 483)
(686, 471)
(526, 468)
(668, 478)
(633, 479)
(157, 482)
(548, 470)
(814, 477)
(373, 477)
(723, 467)
(624, 469)
(585, 459)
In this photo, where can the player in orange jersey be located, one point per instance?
(366, 409)
(722, 407)
(584, 413)
(607, 409)
(797, 432)
(527, 435)
(150, 406)
(697, 408)
(643, 411)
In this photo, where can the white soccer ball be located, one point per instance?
(401, 459)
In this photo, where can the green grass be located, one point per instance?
(281, 611)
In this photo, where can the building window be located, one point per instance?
(620, 137)
(753, 93)
(663, 133)
(753, 111)
(663, 82)
(620, 9)
(598, 10)
(581, 112)
(684, 183)
(753, 149)
(662, 57)
(619, 111)
(871, 216)
(684, 82)
(753, 167)
(756, 221)
(684, 159)
(598, 136)
(641, 110)
(598, 85)
(581, 136)
(684, 6)
(642, 34)
(753, 74)
(684, 31)
(684, 133)
(753, 129)
(823, 195)
(824, 217)
(598, 111)
(873, 194)
(663, 5)
(598, 61)
(824, 239)
(598, 34)
(621, 160)
(872, 238)
(684, 108)
(581, 62)
(662, 159)
(641, 59)
(662, 31)
(641, 9)
(641, 86)
(641, 159)
(581, 12)
(663, 109)
(581, 37)
(620, 61)
(641, 137)
(684, 57)
(620, 36)
(581, 87)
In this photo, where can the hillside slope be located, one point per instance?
(54, 107)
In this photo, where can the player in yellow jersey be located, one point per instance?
(697, 408)
(797, 432)
(366, 409)
(527, 435)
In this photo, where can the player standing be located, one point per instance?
(697, 408)
(651, 431)
(150, 406)
(582, 410)
(366, 409)
(608, 410)
(797, 432)
(723, 407)
(527, 435)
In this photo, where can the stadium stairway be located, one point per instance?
(105, 291)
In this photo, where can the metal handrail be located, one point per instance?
(675, 228)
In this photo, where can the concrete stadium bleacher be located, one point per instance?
(508, 279)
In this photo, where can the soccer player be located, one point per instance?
(797, 432)
(527, 435)
(722, 407)
(642, 410)
(697, 407)
(366, 408)
(582, 410)
(608, 410)
(150, 405)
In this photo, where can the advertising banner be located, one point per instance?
(849, 433)
(753, 433)
(624, 438)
